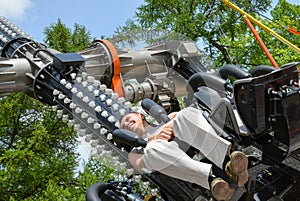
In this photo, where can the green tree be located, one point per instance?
(285, 15)
(36, 148)
(80, 38)
(58, 36)
(95, 170)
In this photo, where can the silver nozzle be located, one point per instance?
(15, 76)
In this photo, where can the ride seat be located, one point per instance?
(223, 116)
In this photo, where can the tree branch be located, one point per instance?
(223, 50)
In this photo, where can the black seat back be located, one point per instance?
(267, 105)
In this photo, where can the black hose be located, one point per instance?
(261, 70)
(155, 110)
(209, 80)
(234, 71)
(93, 193)
(128, 137)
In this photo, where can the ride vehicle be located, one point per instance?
(92, 89)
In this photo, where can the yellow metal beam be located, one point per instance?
(252, 19)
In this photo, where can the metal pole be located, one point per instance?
(261, 43)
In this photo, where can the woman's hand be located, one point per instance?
(163, 133)
(172, 115)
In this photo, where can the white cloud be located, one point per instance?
(15, 9)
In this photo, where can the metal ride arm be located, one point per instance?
(61, 81)
(158, 72)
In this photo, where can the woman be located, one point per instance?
(165, 156)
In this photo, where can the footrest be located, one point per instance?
(238, 193)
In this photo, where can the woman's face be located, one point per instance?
(133, 122)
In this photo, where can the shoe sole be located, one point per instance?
(221, 190)
(239, 162)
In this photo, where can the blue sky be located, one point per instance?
(100, 17)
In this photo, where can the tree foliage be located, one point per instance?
(35, 148)
(94, 171)
(38, 155)
(285, 16)
(58, 36)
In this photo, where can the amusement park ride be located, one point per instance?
(90, 90)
